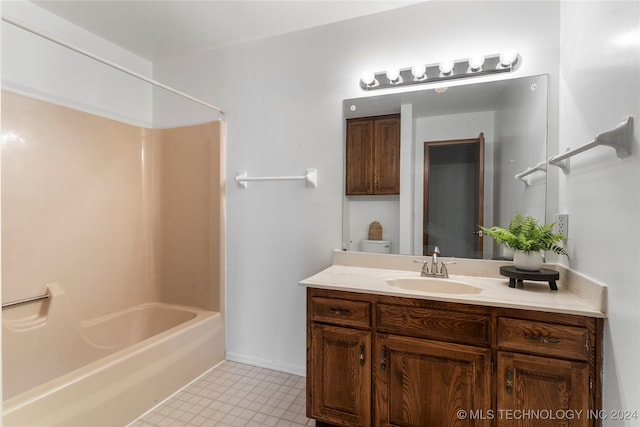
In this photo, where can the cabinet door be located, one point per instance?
(339, 381)
(387, 156)
(538, 391)
(359, 157)
(426, 383)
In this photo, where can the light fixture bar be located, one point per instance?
(461, 69)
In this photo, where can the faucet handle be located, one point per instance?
(425, 266)
(443, 269)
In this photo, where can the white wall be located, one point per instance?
(283, 99)
(600, 85)
(41, 69)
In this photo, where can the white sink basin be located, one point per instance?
(434, 285)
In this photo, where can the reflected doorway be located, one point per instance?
(453, 197)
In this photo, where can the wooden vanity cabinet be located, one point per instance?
(547, 369)
(429, 363)
(342, 391)
(376, 360)
(339, 360)
(422, 382)
(373, 156)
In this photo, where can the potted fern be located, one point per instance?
(528, 239)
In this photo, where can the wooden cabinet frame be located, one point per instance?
(341, 361)
(512, 359)
(373, 156)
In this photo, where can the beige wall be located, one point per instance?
(188, 194)
(117, 214)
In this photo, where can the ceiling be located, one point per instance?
(156, 29)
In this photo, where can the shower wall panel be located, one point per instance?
(117, 214)
(188, 199)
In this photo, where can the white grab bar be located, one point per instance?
(25, 300)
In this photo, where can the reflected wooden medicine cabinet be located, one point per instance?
(373, 155)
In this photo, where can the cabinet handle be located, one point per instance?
(543, 340)
(361, 354)
(509, 382)
(383, 359)
(339, 311)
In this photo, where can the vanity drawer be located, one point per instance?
(341, 312)
(464, 328)
(544, 338)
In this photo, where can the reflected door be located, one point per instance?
(453, 197)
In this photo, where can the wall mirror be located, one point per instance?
(460, 151)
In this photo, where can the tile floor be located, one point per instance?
(234, 394)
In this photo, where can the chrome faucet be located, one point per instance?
(434, 260)
(433, 272)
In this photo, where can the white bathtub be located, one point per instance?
(60, 370)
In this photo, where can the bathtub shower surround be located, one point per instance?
(121, 224)
(118, 215)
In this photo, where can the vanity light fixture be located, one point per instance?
(446, 68)
(368, 79)
(475, 66)
(419, 72)
(393, 75)
(508, 58)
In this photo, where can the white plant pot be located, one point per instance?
(530, 261)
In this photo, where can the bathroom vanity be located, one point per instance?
(382, 350)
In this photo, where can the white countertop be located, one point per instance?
(488, 291)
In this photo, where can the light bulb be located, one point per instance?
(368, 78)
(475, 63)
(393, 74)
(446, 68)
(508, 58)
(419, 72)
